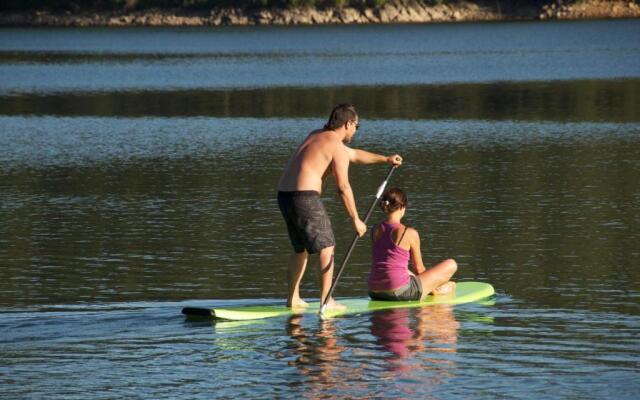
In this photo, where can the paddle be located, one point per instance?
(355, 239)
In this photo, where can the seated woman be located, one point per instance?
(393, 246)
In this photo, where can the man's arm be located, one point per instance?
(358, 156)
(340, 169)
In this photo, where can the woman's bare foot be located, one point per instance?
(296, 303)
(445, 288)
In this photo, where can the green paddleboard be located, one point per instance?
(466, 292)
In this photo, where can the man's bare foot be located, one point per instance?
(335, 306)
(445, 288)
(297, 303)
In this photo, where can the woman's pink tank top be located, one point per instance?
(389, 269)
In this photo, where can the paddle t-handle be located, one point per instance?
(355, 239)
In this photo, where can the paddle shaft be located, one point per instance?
(355, 239)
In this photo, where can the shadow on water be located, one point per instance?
(586, 100)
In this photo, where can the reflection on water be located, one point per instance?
(318, 357)
(148, 350)
(592, 100)
(436, 325)
(415, 337)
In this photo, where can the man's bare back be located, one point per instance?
(311, 162)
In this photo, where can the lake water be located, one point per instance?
(138, 171)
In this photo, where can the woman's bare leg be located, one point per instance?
(436, 280)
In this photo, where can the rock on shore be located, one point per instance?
(591, 9)
(400, 11)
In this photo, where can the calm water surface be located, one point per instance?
(138, 171)
(119, 59)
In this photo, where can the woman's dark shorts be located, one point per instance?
(307, 221)
(410, 291)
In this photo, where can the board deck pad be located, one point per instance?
(466, 292)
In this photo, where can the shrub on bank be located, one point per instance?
(131, 5)
(77, 5)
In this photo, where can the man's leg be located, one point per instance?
(297, 265)
(326, 276)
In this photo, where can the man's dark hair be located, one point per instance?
(340, 115)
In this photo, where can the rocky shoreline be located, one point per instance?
(401, 11)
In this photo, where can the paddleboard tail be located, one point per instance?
(199, 312)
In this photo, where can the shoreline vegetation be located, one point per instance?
(114, 13)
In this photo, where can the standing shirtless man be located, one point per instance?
(322, 152)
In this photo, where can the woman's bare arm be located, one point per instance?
(414, 250)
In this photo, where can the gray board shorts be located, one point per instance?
(410, 291)
(308, 224)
